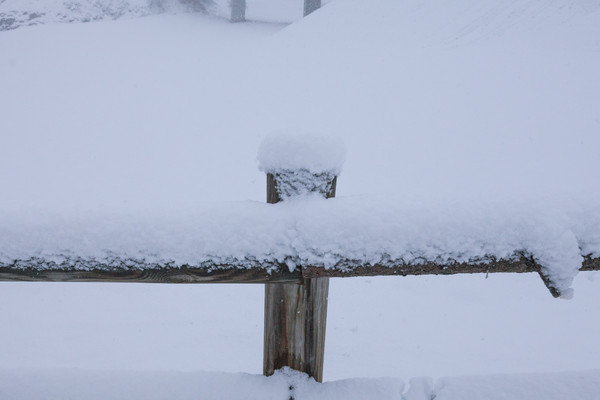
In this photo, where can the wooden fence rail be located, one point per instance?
(26, 271)
(295, 302)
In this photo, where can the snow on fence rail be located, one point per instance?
(293, 247)
(252, 271)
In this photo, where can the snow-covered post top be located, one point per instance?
(298, 164)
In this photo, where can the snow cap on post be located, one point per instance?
(298, 164)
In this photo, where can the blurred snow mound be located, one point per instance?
(17, 13)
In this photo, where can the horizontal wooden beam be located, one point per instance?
(521, 264)
(255, 271)
(591, 264)
(343, 270)
(153, 275)
(490, 265)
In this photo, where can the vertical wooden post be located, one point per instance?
(238, 10)
(295, 317)
(310, 6)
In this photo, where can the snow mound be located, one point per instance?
(17, 13)
(289, 150)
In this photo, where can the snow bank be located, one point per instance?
(306, 231)
(16, 13)
(286, 384)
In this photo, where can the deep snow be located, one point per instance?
(307, 231)
(284, 385)
(455, 103)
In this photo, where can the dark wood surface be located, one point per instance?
(295, 316)
(273, 193)
(29, 270)
(591, 264)
(295, 321)
(152, 275)
(519, 264)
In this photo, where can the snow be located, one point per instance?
(21, 13)
(298, 150)
(565, 386)
(471, 128)
(304, 231)
(61, 384)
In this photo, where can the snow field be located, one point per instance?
(91, 385)
(490, 109)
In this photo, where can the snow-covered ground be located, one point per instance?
(18, 13)
(22, 13)
(495, 104)
(100, 385)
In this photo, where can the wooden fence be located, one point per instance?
(295, 302)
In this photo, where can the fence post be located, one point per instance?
(238, 10)
(310, 6)
(295, 315)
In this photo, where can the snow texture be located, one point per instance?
(289, 150)
(303, 231)
(301, 163)
(17, 13)
(302, 182)
(488, 108)
(287, 384)
(557, 386)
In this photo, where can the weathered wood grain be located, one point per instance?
(153, 275)
(591, 264)
(28, 270)
(295, 315)
(519, 264)
(295, 321)
(349, 268)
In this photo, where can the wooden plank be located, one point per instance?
(238, 11)
(311, 6)
(349, 268)
(295, 321)
(29, 270)
(295, 315)
(398, 268)
(153, 275)
(520, 264)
